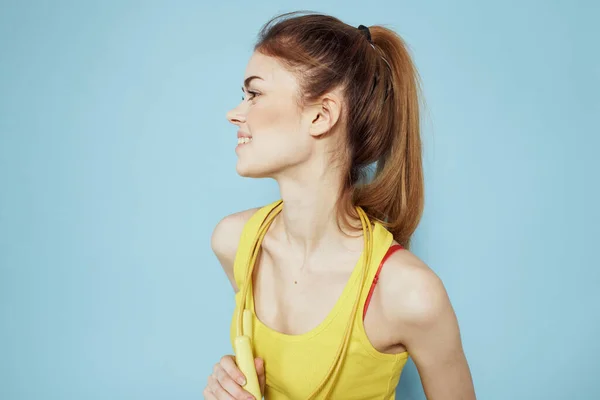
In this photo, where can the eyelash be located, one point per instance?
(254, 94)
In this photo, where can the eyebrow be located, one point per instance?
(250, 78)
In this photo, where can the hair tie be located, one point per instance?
(366, 32)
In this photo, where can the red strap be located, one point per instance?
(391, 250)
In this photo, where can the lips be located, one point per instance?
(243, 135)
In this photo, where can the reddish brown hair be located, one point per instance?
(382, 90)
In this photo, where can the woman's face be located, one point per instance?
(269, 114)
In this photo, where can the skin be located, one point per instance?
(306, 261)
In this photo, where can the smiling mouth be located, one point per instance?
(244, 140)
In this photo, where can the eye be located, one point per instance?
(252, 94)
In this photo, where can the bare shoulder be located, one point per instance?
(421, 318)
(226, 237)
(413, 294)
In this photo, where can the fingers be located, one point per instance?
(260, 365)
(221, 383)
(208, 395)
(228, 364)
(260, 371)
(217, 389)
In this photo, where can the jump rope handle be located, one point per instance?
(244, 357)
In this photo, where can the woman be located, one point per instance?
(324, 103)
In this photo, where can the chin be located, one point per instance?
(250, 171)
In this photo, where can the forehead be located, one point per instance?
(270, 70)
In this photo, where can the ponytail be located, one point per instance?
(395, 195)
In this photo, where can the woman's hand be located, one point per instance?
(226, 381)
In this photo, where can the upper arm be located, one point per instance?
(426, 324)
(225, 239)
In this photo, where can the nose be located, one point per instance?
(236, 116)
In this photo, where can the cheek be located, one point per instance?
(274, 125)
(278, 138)
(270, 116)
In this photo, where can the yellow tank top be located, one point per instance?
(296, 364)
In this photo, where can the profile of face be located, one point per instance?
(279, 134)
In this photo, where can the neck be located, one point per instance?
(308, 220)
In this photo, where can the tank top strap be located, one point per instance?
(382, 240)
(249, 232)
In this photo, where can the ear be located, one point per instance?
(325, 114)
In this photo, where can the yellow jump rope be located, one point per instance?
(244, 354)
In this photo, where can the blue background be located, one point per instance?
(116, 162)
